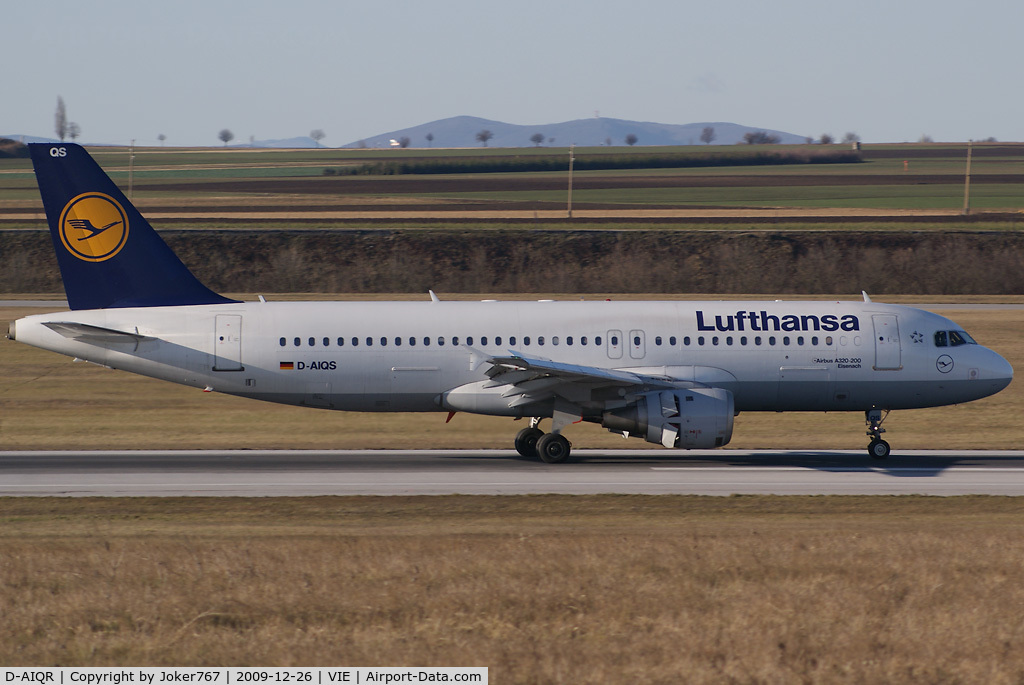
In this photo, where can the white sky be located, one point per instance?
(889, 70)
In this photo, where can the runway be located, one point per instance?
(253, 473)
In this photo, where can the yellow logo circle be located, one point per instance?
(93, 227)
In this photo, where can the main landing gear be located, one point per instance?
(877, 448)
(532, 442)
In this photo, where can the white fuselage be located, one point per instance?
(407, 356)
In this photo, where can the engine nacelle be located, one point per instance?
(697, 418)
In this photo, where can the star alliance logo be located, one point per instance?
(917, 337)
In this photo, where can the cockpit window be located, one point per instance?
(953, 339)
(960, 338)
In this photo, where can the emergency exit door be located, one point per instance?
(227, 343)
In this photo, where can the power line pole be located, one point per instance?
(571, 160)
(967, 179)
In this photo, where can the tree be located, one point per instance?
(430, 139)
(707, 135)
(226, 136)
(317, 134)
(74, 130)
(483, 136)
(61, 120)
(404, 141)
(537, 139)
(161, 138)
(851, 138)
(631, 139)
(826, 139)
(925, 139)
(760, 138)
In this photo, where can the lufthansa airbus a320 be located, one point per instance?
(673, 373)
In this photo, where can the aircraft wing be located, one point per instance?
(95, 335)
(514, 370)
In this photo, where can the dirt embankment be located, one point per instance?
(568, 261)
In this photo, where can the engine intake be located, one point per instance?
(697, 418)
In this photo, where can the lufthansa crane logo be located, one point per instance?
(93, 227)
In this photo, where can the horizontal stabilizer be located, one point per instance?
(94, 334)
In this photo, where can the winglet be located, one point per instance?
(433, 296)
(865, 294)
(109, 255)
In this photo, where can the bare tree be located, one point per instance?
(404, 141)
(317, 134)
(226, 136)
(851, 137)
(925, 138)
(74, 130)
(537, 139)
(631, 139)
(707, 135)
(483, 136)
(430, 139)
(60, 120)
(161, 138)
(826, 139)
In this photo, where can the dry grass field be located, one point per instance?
(548, 589)
(49, 402)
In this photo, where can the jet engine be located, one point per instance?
(696, 418)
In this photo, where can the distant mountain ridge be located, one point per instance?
(461, 131)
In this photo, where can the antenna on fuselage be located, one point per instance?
(433, 296)
(865, 294)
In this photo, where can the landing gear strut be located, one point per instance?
(532, 442)
(877, 448)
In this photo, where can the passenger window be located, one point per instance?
(583, 340)
(412, 341)
(455, 340)
(540, 339)
(743, 340)
(672, 341)
(554, 340)
(597, 340)
(297, 342)
(785, 340)
(686, 341)
(771, 340)
(940, 339)
(369, 341)
(426, 341)
(512, 340)
(327, 342)
(526, 340)
(814, 340)
(714, 340)
(757, 340)
(828, 339)
(469, 340)
(636, 341)
(657, 340)
(341, 342)
(568, 340)
(728, 340)
(700, 340)
(355, 341)
(483, 340)
(312, 342)
(440, 340)
(615, 340)
(800, 340)
(497, 340)
(398, 341)
(283, 342)
(383, 341)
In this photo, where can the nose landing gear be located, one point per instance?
(877, 448)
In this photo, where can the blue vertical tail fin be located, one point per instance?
(109, 255)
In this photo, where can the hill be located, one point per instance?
(461, 132)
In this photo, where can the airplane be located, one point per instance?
(673, 373)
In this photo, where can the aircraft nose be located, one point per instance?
(996, 370)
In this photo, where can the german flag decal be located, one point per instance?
(287, 366)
